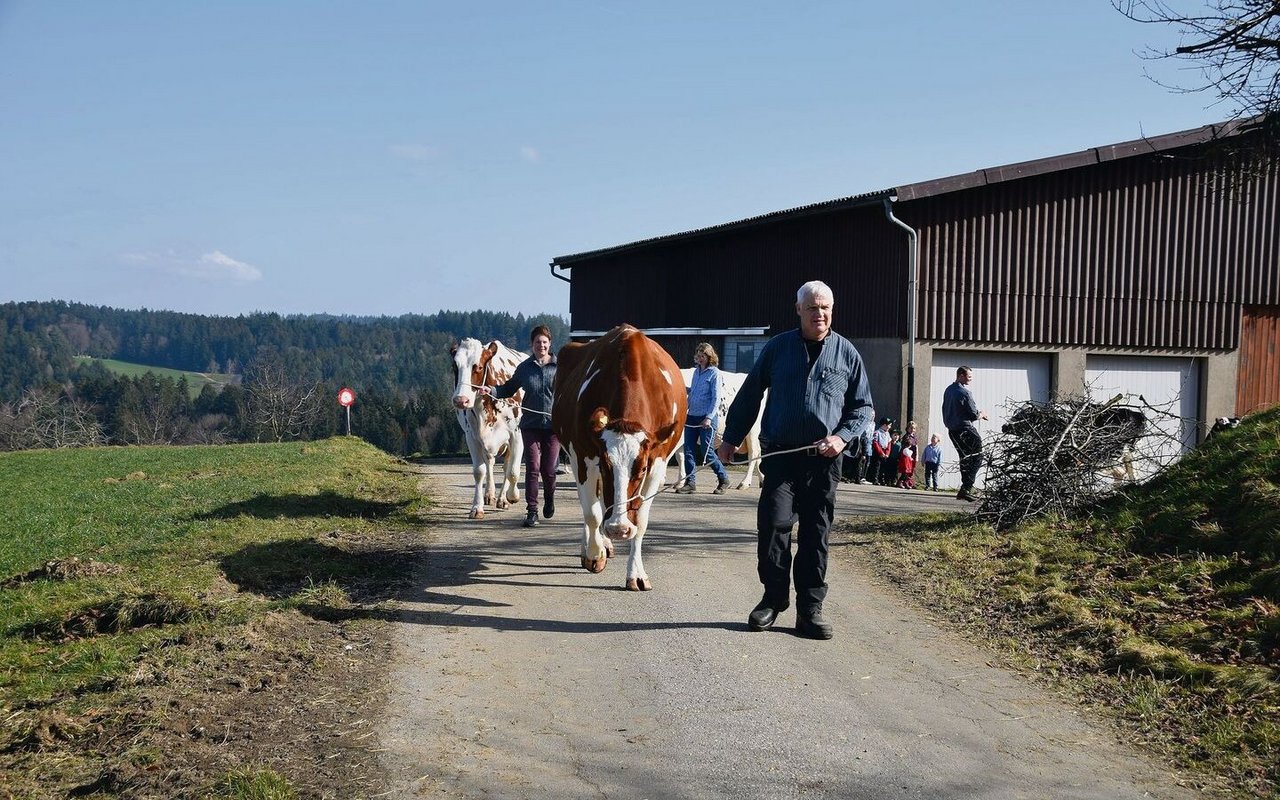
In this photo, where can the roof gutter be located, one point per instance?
(554, 266)
(912, 270)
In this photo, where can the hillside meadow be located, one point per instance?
(1159, 612)
(196, 381)
(152, 596)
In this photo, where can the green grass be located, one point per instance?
(195, 380)
(261, 784)
(1162, 609)
(107, 554)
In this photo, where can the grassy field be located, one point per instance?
(195, 380)
(206, 621)
(125, 571)
(1161, 611)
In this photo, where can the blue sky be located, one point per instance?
(406, 157)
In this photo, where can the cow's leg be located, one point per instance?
(676, 456)
(513, 465)
(596, 550)
(477, 471)
(637, 579)
(488, 467)
(753, 454)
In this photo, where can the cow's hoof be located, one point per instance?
(608, 549)
(639, 584)
(476, 513)
(594, 564)
(502, 504)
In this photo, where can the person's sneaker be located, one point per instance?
(967, 496)
(812, 625)
(720, 487)
(765, 613)
(531, 519)
(864, 482)
(688, 488)
(549, 506)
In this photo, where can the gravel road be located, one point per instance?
(520, 675)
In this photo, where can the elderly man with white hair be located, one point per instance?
(819, 399)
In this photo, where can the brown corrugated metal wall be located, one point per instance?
(1134, 253)
(1258, 376)
(749, 278)
(1139, 252)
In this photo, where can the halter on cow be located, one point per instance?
(619, 411)
(490, 425)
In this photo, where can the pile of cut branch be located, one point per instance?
(1061, 458)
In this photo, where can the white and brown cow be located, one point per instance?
(730, 383)
(619, 410)
(490, 425)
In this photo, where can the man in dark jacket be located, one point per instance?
(959, 412)
(819, 400)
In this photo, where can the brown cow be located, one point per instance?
(619, 411)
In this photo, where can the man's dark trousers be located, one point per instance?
(969, 450)
(796, 487)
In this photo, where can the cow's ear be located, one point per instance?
(453, 347)
(599, 418)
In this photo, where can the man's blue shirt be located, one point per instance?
(806, 402)
(958, 407)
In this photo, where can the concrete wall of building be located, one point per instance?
(885, 361)
(1068, 372)
(1218, 376)
(1218, 392)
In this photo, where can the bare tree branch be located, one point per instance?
(1062, 458)
(1235, 43)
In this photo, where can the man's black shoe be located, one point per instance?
(549, 506)
(720, 487)
(967, 496)
(531, 520)
(765, 613)
(812, 625)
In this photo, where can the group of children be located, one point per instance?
(888, 456)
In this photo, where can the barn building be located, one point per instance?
(1150, 267)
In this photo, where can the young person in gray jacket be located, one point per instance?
(541, 447)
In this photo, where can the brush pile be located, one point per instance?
(1061, 458)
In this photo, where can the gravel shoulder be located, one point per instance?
(515, 673)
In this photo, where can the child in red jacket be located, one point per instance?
(906, 469)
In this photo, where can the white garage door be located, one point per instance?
(1169, 384)
(1000, 381)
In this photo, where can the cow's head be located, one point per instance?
(470, 358)
(629, 454)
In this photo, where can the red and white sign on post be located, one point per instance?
(346, 398)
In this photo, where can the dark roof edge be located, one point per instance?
(826, 207)
(1094, 155)
(967, 180)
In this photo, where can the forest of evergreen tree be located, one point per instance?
(285, 374)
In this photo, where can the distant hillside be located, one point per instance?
(196, 381)
(38, 342)
(400, 368)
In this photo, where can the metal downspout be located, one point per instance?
(553, 266)
(912, 267)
